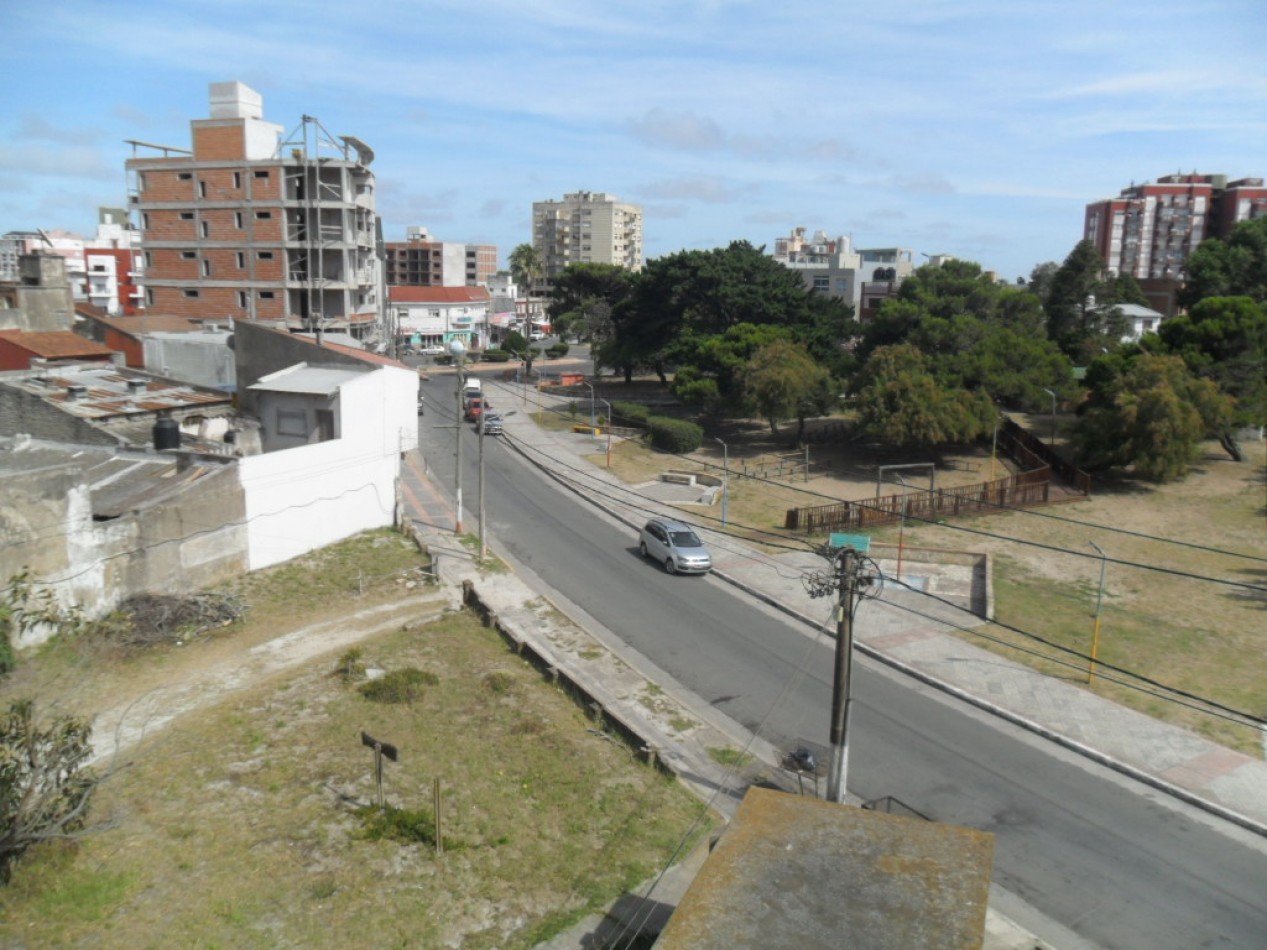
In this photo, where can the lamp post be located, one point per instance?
(458, 350)
(994, 443)
(725, 485)
(608, 407)
(901, 531)
(593, 421)
(1052, 441)
(1099, 602)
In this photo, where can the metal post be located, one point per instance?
(901, 531)
(457, 349)
(1099, 602)
(1052, 440)
(994, 446)
(609, 431)
(725, 485)
(483, 545)
(593, 420)
(848, 564)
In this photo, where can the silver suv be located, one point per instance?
(674, 545)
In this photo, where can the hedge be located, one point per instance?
(631, 412)
(495, 356)
(674, 435)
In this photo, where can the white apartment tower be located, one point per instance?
(587, 227)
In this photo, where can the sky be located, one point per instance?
(980, 129)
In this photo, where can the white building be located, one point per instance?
(586, 227)
(430, 316)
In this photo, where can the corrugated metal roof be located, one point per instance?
(55, 344)
(100, 391)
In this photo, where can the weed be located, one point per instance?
(730, 758)
(399, 686)
(350, 666)
(498, 683)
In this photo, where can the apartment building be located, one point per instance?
(418, 261)
(1149, 230)
(586, 227)
(863, 278)
(251, 225)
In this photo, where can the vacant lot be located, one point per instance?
(237, 824)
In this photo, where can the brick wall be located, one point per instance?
(219, 142)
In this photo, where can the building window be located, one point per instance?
(266, 295)
(237, 220)
(185, 176)
(265, 255)
(261, 173)
(241, 259)
(191, 294)
(149, 296)
(188, 255)
(140, 181)
(206, 268)
(202, 189)
(145, 220)
(206, 229)
(822, 283)
(186, 216)
(263, 215)
(292, 422)
(241, 299)
(237, 180)
(149, 261)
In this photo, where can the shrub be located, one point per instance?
(631, 412)
(674, 435)
(350, 667)
(496, 356)
(398, 686)
(397, 824)
(557, 350)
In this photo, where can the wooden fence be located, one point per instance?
(1030, 488)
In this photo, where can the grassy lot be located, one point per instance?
(1193, 633)
(237, 826)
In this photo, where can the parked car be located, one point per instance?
(434, 349)
(536, 335)
(674, 545)
(492, 423)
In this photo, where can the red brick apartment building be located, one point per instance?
(1149, 230)
(251, 227)
(422, 262)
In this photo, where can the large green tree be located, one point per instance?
(783, 381)
(1080, 304)
(589, 300)
(1236, 267)
(1147, 412)
(899, 400)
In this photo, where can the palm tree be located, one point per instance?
(526, 267)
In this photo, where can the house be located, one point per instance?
(1141, 320)
(435, 316)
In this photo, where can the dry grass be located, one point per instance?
(235, 825)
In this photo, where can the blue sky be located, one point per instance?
(972, 128)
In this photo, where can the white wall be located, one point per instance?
(304, 498)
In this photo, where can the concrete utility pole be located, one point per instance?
(847, 579)
(457, 349)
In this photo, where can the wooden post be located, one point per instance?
(435, 804)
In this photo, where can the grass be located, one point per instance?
(240, 827)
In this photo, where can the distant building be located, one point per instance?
(864, 279)
(1149, 230)
(250, 226)
(884, 269)
(436, 316)
(586, 227)
(38, 295)
(419, 261)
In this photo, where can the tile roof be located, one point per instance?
(55, 344)
(438, 295)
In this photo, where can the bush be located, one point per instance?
(674, 435)
(398, 686)
(397, 824)
(557, 351)
(350, 666)
(495, 356)
(630, 412)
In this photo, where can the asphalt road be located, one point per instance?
(1116, 864)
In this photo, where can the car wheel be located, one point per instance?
(669, 566)
(642, 549)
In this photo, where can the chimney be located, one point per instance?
(75, 392)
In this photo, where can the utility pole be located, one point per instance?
(457, 349)
(846, 581)
(483, 544)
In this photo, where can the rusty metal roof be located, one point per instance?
(802, 873)
(100, 392)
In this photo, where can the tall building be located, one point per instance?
(251, 226)
(1149, 230)
(419, 261)
(864, 278)
(586, 227)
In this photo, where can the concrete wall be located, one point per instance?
(27, 414)
(194, 539)
(200, 358)
(260, 350)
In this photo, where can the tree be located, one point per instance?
(44, 789)
(1224, 339)
(782, 381)
(899, 400)
(1081, 316)
(1148, 412)
(1236, 267)
(1040, 279)
(526, 267)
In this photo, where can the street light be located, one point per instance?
(1052, 441)
(458, 350)
(608, 406)
(901, 531)
(725, 485)
(593, 421)
(1099, 602)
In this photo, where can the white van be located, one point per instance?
(471, 390)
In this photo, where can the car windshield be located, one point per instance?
(684, 539)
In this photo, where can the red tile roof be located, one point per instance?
(438, 295)
(55, 344)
